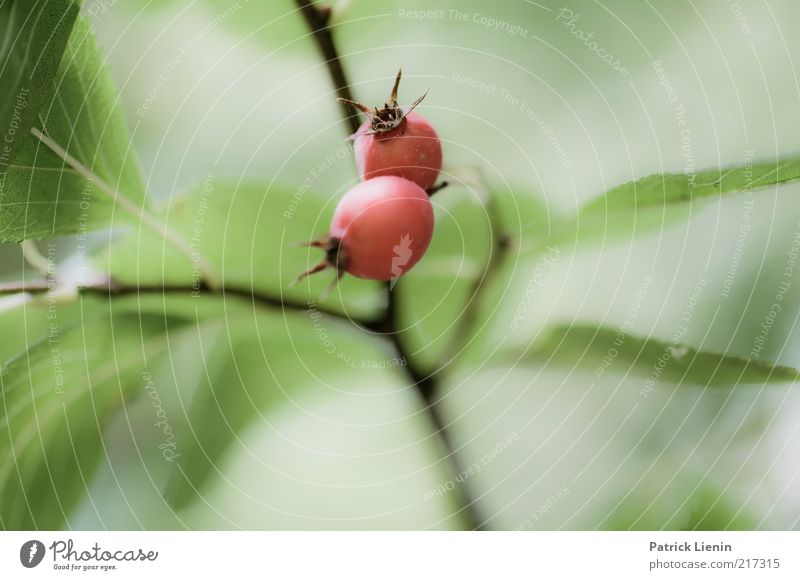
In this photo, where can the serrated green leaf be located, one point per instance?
(34, 37)
(44, 196)
(604, 350)
(56, 399)
(658, 201)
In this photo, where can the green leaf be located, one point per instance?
(442, 317)
(522, 215)
(251, 371)
(250, 234)
(432, 296)
(44, 195)
(33, 41)
(657, 201)
(714, 510)
(603, 350)
(235, 389)
(436, 297)
(654, 505)
(30, 322)
(56, 400)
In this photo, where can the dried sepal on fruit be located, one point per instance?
(397, 141)
(388, 117)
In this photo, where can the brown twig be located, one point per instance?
(427, 384)
(37, 287)
(318, 18)
(428, 387)
(111, 288)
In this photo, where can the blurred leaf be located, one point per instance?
(523, 216)
(432, 296)
(275, 24)
(43, 196)
(715, 511)
(440, 310)
(251, 234)
(640, 511)
(657, 201)
(602, 349)
(250, 371)
(235, 389)
(655, 505)
(436, 297)
(31, 322)
(56, 400)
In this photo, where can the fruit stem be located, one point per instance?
(436, 188)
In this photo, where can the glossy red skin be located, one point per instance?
(373, 219)
(412, 150)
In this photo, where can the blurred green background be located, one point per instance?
(238, 91)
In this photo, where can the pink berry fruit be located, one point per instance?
(396, 141)
(380, 230)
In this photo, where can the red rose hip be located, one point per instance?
(411, 150)
(379, 231)
(396, 141)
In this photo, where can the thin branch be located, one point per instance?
(318, 20)
(111, 288)
(501, 243)
(7, 288)
(206, 270)
(428, 387)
